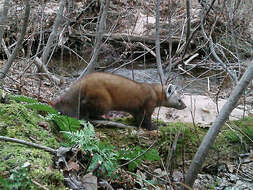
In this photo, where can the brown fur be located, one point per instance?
(98, 93)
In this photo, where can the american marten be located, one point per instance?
(98, 93)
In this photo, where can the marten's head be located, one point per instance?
(173, 98)
(65, 106)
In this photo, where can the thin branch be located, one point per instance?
(213, 131)
(7, 52)
(54, 34)
(158, 53)
(196, 29)
(8, 139)
(99, 36)
(39, 185)
(170, 35)
(188, 17)
(42, 67)
(105, 184)
(138, 156)
(211, 46)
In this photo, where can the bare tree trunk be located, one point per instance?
(170, 34)
(231, 14)
(213, 131)
(100, 31)
(157, 42)
(188, 16)
(3, 18)
(196, 29)
(7, 66)
(54, 34)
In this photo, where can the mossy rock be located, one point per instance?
(17, 121)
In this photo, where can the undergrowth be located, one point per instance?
(241, 130)
(81, 133)
(20, 122)
(18, 180)
(113, 148)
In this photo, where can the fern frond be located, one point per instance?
(65, 123)
(84, 137)
(89, 142)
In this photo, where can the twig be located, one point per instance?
(196, 29)
(39, 185)
(43, 69)
(96, 167)
(184, 71)
(171, 157)
(211, 46)
(188, 17)
(7, 52)
(100, 31)
(191, 58)
(242, 132)
(8, 139)
(138, 155)
(54, 34)
(105, 185)
(167, 174)
(147, 48)
(183, 158)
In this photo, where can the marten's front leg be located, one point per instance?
(144, 120)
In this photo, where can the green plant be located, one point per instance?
(21, 98)
(242, 131)
(131, 154)
(232, 136)
(17, 121)
(65, 123)
(141, 182)
(33, 103)
(18, 180)
(41, 107)
(101, 151)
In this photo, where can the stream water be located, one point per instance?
(190, 85)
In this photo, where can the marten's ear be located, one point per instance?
(169, 89)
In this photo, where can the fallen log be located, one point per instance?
(111, 124)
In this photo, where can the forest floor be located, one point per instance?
(170, 148)
(151, 160)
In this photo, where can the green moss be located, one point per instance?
(186, 136)
(239, 131)
(19, 122)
